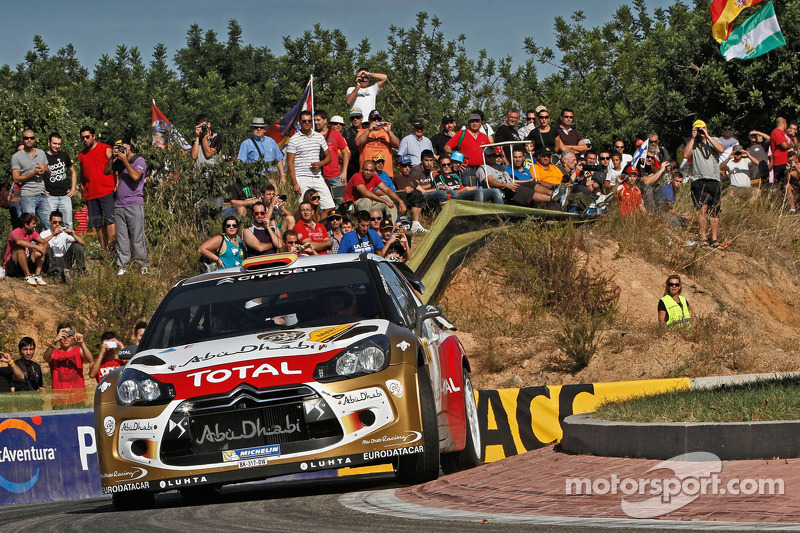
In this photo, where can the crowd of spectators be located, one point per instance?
(66, 356)
(340, 176)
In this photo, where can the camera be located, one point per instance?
(282, 197)
(120, 148)
(363, 79)
(380, 124)
(69, 332)
(204, 128)
(111, 344)
(593, 168)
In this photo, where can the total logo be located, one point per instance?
(242, 372)
(17, 453)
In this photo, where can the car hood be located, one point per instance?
(276, 357)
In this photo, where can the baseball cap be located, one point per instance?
(457, 157)
(737, 148)
(544, 150)
(356, 112)
(386, 224)
(404, 222)
(473, 116)
(418, 125)
(699, 124)
(448, 118)
(491, 150)
(335, 212)
(630, 169)
(378, 156)
(539, 109)
(375, 115)
(404, 159)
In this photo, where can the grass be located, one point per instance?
(762, 400)
(47, 400)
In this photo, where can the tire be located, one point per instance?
(137, 499)
(203, 493)
(470, 456)
(422, 467)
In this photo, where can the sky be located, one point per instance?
(95, 28)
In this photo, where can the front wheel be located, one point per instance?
(470, 456)
(422, 467)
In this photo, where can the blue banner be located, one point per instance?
(48, 458)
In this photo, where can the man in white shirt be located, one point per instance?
(65, 251)
(306, 153)
(364, 96)
(737, 166)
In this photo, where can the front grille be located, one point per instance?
(295, 418)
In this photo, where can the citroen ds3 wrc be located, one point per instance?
(286, 365)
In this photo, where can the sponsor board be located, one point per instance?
(252, 348)
(249, 429)
(242, 372)
(126, 487)
(251, 453)
(350, 398)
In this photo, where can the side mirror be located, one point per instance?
(425, 312)
(128, 352)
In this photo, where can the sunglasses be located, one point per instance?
(566, 116)
(85, 136)
(674, 284)
(544, 116)
(26, 138)
(259, 128)
(604, 158)
(531, 118)
(315, 197)
(54, 222)
(334, 218)
(259, 213)
(231, 225)
(445, 164)
(305, 120)
(619, 146)
(376, 218)
(291, 242)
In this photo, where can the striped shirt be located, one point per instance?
(306, 150)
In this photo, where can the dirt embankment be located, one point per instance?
(747, 319)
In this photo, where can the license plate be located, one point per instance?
(262, 461)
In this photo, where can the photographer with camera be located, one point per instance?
(737, 167)
(108, 359)
(206, 143)
(312, 234)
(276, 208)
(792, 181)
(66, 355)
(706, 194)
(130, 170)
(364, 96)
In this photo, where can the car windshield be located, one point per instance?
(258, 302)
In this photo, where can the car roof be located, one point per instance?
(298, 262)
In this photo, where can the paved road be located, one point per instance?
(294, 506)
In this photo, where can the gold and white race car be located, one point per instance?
(286, 365)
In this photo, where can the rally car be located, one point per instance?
(286, 365)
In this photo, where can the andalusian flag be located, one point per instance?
(754, 37)
(723, 12)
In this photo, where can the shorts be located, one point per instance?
(779, 174)
(708, 193)
(13, 270)
(101, 211)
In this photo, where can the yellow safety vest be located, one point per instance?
(678, 315)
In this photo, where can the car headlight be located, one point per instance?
(137, 388)
(365, 357)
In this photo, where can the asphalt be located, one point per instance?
(533, 488)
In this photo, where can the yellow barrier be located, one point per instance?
(514, 421)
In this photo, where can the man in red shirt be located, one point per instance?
(779, 143)
(310, 233)
(334, 172)
(98, 187)
(108, 360)
(359, 190)
(629, 197)
(469, 142)
(66, 355)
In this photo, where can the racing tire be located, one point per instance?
(203, 493)
(137, 499)
(470, 456)
(422, 467)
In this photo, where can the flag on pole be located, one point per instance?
(640, 152)
(754, 37)
(287, 125)
(164, 133)
(723, 13)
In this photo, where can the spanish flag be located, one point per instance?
(723, 13)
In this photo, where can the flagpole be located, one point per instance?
(311, 82)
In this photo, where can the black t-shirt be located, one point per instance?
(6, 375)
(60, 181)
(539, 137)
(236, 191)
(505, 133)
(33, 376)
(438, 141)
